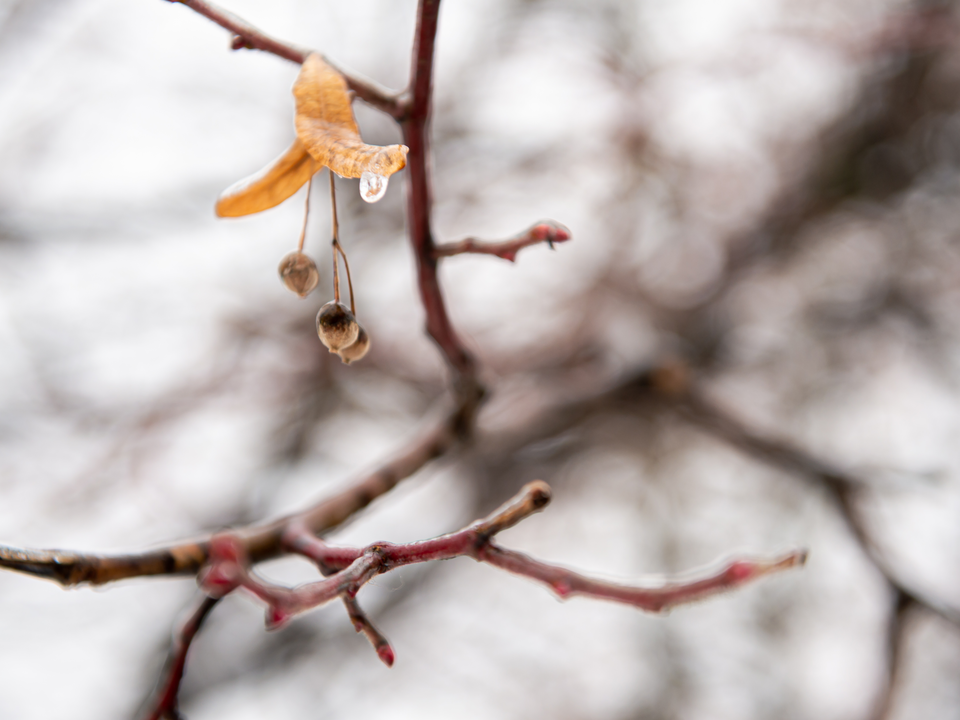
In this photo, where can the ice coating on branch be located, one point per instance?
(372, 186)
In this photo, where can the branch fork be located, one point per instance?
(349, 569)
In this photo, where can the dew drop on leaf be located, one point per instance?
(372, 186)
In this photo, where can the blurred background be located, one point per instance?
(749, 345)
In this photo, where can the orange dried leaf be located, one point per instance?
(326, 126)
(269, 187)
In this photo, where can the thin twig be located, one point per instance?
(414, 124)
(229, 568)
(299, 540)
(164, 704)
(669, 387)
(362, 624)
(566, 583)
(247, 36)
(547, 231)
(896, 635)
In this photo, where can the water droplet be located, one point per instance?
(372, 186)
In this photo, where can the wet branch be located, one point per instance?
(414, 122)
(164, 704)
(298, 539)
(229, 568)
(260, 542)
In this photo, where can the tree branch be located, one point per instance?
(260, 542)
(669, 387)
(164, 704)
(842, 486)
(896, 632)
(363, 625)
(566, 583)
(547, 231)
(247, 36)
(229, 567)
(416, 106)
(299, 540)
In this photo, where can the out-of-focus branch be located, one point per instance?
(229, 568)
(246, 35)
(787, 456)
(547, 231)
(669, 387)
(164, 705)
(896, 631)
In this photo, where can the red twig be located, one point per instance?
(362, 624)
(299, 540)
(566, 583)
(164, 705)
(247, 36)
(416, 105)
(354, 567)
(547, 231)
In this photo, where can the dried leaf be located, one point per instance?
(325, 125)
(327, 135)
(269, 187)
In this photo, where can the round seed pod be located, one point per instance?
(336, 326)
(299, 273)
(357, 350)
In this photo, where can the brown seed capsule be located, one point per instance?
(358, 349)
(336, 326)
(299, 273)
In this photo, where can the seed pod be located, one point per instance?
(299, 273)
(336, 326)
(358, 349)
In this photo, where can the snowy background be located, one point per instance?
(766, 189)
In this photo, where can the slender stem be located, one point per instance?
(361, 623)
(333, 207)
(306, 214)
(346, 267)
(336, 235)
(337, 247)
(165, 701)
